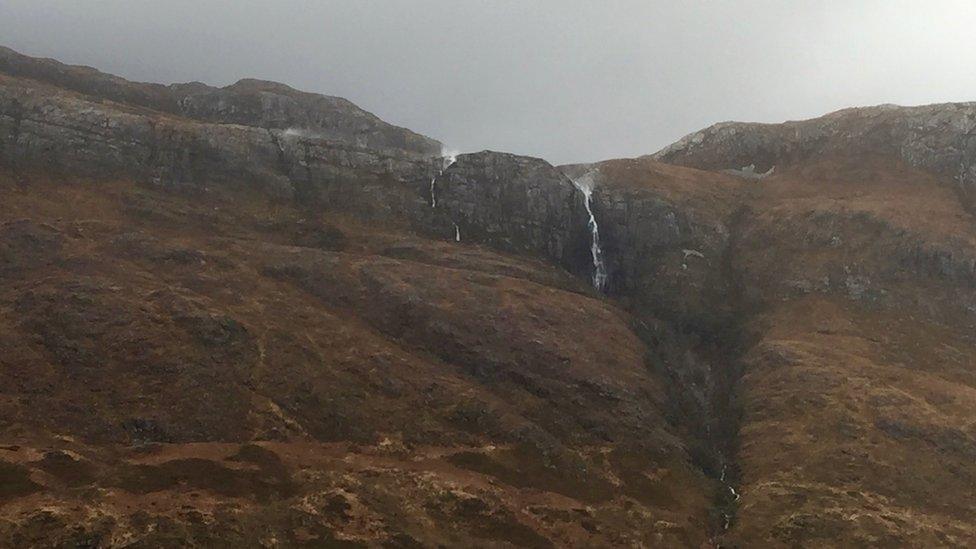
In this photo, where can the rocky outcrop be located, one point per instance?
(657, 250)
(939, 138)
(42, 127)
(859, 255)
(516, 204)
(248, 102)
(243, 138)
(273, 105)
(664, 232)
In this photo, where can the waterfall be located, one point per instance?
(726, 516)
(586, 184)
(448, 158)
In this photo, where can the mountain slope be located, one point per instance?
(853, 294)
(217, 331)
(463, 388)
(241, 336)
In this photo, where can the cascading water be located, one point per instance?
(726, 516)
(585, 184)
(448, 158)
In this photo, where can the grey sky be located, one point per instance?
(570, 81)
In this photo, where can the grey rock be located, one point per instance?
(940, 138)
(245, 137)
(647, 241)
(516, 204)
(248, 102)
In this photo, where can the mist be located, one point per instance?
(567, 81)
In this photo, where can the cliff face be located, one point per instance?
(252, 315)
(937, 138)
(513, 203)
(249, 102)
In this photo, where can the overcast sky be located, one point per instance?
(566, 80)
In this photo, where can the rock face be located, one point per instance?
(273, 105)
(45, 126)
(938, 138)
(248, 102)
(512, 203)
(516, 204)
(69, 133)
(664, 232)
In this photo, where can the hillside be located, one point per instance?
(217, 330)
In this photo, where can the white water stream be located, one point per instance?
(449, 158)
(585, 184)
(728, 519)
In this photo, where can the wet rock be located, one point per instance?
(515, 204)
(666, 256)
